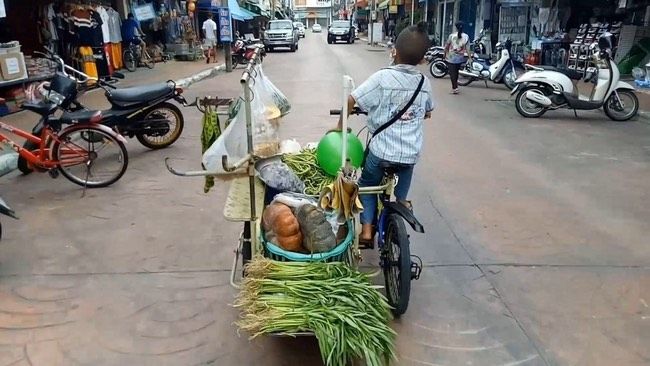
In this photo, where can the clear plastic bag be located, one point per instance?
(233, 141)
(277, 97)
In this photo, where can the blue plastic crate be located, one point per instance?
(337, 254)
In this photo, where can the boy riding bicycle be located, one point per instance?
(397, 100)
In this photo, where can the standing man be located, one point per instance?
(210, 34)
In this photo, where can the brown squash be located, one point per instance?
(280, 223)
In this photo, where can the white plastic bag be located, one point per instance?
(278, 98)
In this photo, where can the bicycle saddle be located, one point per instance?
(42, 108)
(390, 167)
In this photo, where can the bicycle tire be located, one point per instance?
(23, 164)
(146, 140)
(398, 292)
(95, 132)
(129, 61)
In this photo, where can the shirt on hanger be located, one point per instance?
(51, 18)
(114, 26)
(103, 14)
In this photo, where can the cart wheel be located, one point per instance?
(246, 249)
(396, 263)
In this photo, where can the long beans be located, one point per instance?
(306, 167)
(346, 313)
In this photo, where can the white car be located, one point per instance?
(301, 29)
(316, 28)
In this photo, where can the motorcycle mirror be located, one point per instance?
(118, 75)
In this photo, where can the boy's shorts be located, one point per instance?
(210, 43)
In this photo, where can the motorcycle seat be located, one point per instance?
(42, 108)
(81, 117)
(140, 93)
(571, 74)
(390, 167)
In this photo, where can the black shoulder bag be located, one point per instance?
(394, 119)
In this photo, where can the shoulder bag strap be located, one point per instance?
(399, 114)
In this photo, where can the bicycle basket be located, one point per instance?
(337, 254)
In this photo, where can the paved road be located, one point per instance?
(536, 246)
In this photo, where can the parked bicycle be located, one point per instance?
(85, 152)
(134, 56)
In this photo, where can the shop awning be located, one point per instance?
(236, 12)
(383, 5)
(256, 8)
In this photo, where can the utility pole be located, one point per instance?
(226, 45)
(272, 9)
(412, 10)
(372, 21)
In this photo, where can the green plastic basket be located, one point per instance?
(337, 254)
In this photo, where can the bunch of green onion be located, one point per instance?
(347, 314)
(306, 167)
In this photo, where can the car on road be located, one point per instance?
(340, 30)
(316, 28)
(281, 33)
(301, 29)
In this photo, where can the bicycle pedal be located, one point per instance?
(54, 173)
(416, 267)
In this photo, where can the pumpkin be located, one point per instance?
(282, 227)
(317, 233)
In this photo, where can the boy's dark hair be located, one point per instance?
(130, 16)
(412, 44)
(209, 15)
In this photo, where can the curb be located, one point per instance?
(8, 161)
(200, 76)
(380, 44)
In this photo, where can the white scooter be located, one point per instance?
(479, 68)
(545, 88)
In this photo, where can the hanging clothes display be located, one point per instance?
(115, 37)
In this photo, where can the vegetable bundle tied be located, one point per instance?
(346, 313)
(306, 167)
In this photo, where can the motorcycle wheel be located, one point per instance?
(438, 69)
(234, 62)
(509, 79)
(527, 108)
(464, 80)
(175, 121)
(616, 111)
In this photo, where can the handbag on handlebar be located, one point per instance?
(393, 119)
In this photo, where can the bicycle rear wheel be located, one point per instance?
(396, 264)
(89, 156)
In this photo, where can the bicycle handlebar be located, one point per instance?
(77, 75)
(355, 110)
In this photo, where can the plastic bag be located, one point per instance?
(233, 141)
(280, 177)
(277, 96)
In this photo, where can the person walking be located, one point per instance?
(455, 51)
(210, 36)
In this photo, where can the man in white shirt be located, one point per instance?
(210, 34)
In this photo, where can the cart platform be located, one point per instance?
(238, 202)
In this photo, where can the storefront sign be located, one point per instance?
(144, 12)
(225, 25)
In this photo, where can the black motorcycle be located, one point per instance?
(435, 56)
(7, 211)
(143, 112)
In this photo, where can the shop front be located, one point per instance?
(559, 33)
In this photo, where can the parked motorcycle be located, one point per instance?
(435, 56)
(548, 88)
(243, 50)
(7, 211)
(143, 112)
(479, 67)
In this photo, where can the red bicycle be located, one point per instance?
(85, 152)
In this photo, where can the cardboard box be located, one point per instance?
(12, 66)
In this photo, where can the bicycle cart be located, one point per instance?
(248, 196)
